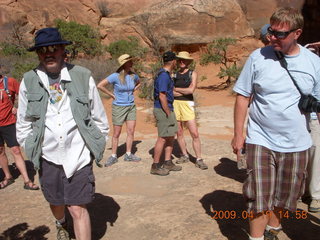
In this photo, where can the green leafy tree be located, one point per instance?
(217, 53)
(85, 39)
(130, 46)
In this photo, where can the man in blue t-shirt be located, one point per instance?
(165, 117)
(277, 140)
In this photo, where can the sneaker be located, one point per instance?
(183, 159)
(314, 206)
(200, 164)
(131, 158)
(158, 170)
(111, 160)
(271, 234)
(171, 166)
(62, 233)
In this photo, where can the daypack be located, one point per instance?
(189, 79)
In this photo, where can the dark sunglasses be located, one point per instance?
(50, 49)
(278, 34)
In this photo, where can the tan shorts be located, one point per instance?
(184, 110)
(120, 114)
(167, 126)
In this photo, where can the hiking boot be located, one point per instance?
(110, 161)
(171, 166)
(200, 164)
(131, 158)
(314, 206)
(158, 170)
(183, 159)
(62, 233)
(271, 234)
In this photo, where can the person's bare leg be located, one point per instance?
(158, 148)
(258, 224)
(168, 148)
(4, 164)
(81, 222)
(196, 143)
(57, 211)
(130, 134)
(115, 138)
(180, 139)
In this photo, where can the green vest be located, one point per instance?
(78, 92)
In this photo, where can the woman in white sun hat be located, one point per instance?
(124, 82)
(185, 82)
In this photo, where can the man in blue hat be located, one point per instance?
(63, 127)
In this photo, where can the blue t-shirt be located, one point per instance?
(275, 120)
(123, 92)
(163, 83)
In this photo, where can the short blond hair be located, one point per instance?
(288, 15)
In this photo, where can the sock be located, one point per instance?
(258, 238)
(61, 221)
(114, 155)
(128, 153)
(199, 159)
(268, 228)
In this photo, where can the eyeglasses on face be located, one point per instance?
(50, 49)
(279, 34)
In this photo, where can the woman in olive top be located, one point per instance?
(185, 82)
(124, 82)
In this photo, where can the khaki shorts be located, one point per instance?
(120, 114)
(184, 110)
(167, 126)
(274, 179)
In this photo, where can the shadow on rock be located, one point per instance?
(16, 173)
(228, 168)
(301, 225)
(103, 209)
(21, 232)
(121, 150)
(228, 209)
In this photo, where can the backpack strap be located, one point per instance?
(6, 87)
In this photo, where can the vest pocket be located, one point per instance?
(83, 106)
(34, 105)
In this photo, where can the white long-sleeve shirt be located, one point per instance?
(62, 142)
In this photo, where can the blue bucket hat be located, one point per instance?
(46, 37)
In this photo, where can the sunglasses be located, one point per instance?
(50, 49)
(279, 34)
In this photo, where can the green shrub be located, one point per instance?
(217, 53)
(12, 49)
(85, 39)
(130, 46)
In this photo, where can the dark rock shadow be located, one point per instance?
(122, 148)
(301, 225)
(229, 210)
(228, 168)
(102, 209)
(21, 231)
(16, 173)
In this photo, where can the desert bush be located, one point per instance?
(130, 46)
(103, 8)
(217, 53)
(85, 39)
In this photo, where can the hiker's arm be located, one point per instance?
(102, 86)
(191, 88)
(164, 103)
(240, 113)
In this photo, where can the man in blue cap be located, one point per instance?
(63, 127)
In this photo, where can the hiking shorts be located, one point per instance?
(8, 135)
(59, 190)
(167, 126)
(184, 110)
(274, 179)
(120, 114)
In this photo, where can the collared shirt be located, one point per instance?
(62, 142)
(163, 83)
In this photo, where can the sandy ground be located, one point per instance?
(132, 204)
